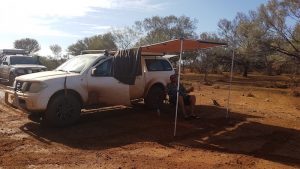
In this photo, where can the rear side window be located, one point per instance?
(158, 65)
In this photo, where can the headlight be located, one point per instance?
(20, 71)
(35, 87)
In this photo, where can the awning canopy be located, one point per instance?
(179, 46)
(174, 46)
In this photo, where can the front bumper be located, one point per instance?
(10, 98)
(23, 101)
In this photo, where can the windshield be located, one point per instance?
(22, 60)
(77, 64)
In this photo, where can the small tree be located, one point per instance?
(125, 38)
(97, 42)
(157, 29)
(30, 45)
(56, 50)
(281, 18)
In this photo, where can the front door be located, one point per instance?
(104, 89)
(1, 69)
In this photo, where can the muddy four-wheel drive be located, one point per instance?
(91, 80)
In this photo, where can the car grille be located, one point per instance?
(28, 71)
(36, 70)
(32, 71)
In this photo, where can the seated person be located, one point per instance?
(184, 100)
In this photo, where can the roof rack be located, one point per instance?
(92, 51)
(4, 52)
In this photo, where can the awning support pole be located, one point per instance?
(230, 82)
(178, 84)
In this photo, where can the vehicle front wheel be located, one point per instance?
(154, 98)
(62, 111)
(11, 79)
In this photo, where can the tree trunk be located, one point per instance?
(246, 67)
(269, 65)
(269, 69)
(205, 74)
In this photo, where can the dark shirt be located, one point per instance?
(172, 91)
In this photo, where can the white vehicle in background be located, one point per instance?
(88, 80)
(16, 62)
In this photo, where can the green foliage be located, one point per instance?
(126, 38)
(97, 42)
(281, 20)
(50, 63)
(30, 45)
(56, 50)
(261, 38)
(157, 29)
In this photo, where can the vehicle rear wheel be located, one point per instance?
(62, 111)
(155, 98)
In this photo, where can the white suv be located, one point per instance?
(87, 80)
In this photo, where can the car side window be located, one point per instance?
(158, 65)
(167, 66)
(104, 69)
(4, 60)
(8, 60)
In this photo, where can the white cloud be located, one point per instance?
(96, 30)
(51, 8)
(26, 16)
(38, 18)
(45, 52)
(101, 27)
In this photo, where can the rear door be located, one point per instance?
(105, 90)
(158, 69)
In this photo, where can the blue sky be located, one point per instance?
(63, 22)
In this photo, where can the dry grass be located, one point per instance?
(295, 93)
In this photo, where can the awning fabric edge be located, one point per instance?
(173, 46)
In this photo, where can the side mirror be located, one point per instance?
(93, 72)
(4, 63)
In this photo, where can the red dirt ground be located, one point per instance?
(262, 131)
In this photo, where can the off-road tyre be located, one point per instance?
(63, 110)
(155, 98)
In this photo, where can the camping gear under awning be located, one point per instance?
(179, 46)
(126, 72)
(174, 46)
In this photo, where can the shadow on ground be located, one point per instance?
(122, 126)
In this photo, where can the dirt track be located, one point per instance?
(262, 132)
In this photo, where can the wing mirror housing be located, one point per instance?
(93, 72)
